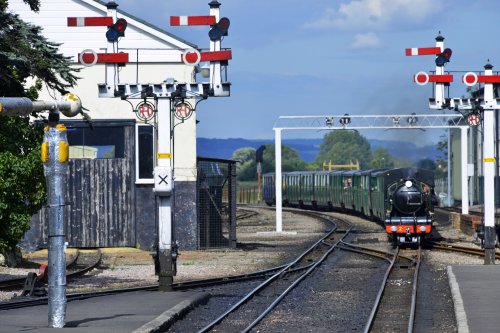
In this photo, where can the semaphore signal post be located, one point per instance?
(478, 108)
(170, 100)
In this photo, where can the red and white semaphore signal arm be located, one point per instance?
(216, 57)
(440, 79)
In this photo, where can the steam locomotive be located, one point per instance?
(402, 199)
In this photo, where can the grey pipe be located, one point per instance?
(55, 169)
(55, 154)
(70, 106)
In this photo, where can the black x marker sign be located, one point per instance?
(163, 180)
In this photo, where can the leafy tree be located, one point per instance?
(343, 146)
(382, 159)
(246, 168)
(290, 160)
(24, 54)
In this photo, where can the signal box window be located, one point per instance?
(145, 151)
(96, 143)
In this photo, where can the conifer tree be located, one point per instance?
(28, 61)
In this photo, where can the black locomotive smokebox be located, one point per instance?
(407, 199)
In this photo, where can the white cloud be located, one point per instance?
(366, 40)
(362, 15)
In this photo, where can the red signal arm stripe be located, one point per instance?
(436, 78)
(105, 21)
(423, 51)
(209, 56)
(105, 57)
(192, 20)
(488, 78)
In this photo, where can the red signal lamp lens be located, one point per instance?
(223, 24)
(121, 25)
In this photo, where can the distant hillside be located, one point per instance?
(309, 148)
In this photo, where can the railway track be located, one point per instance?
(395, 307)
(456, 248)
(73, 267)
(259, 302)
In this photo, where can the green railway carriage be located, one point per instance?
(347, 190)
(377, 194)
(307, 189)
(291, 188)
(337, 185)
(401, 198)
(322, 189)
(363, 193)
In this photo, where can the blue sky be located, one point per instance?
(322, 57)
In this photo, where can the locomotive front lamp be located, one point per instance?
(408, 183)
(394, 228)
(423, 228)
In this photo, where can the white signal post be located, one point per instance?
(487, 105)
(215, 46)
(166, 94)
(112, 72)
(439, 86)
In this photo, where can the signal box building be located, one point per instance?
(111, 199)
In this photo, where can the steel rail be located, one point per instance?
(378, 299)
(365, 250)
(458, 248)
(274, 277)
(413, 307)
(294, 284)
(371, 317)
(86, 269)
(19, 282)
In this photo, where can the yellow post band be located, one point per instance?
(61, 127)
(63, 152)
(45, 152)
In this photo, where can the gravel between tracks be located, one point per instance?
(130, 267)
(127, 267)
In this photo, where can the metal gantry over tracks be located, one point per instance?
(359, 122)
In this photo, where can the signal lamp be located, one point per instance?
(220, 29)
(116, 30)
(345, 120)
(443, 57)
(329, 121)
(412, 120)
(205, 70)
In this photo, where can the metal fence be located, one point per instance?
(216, 188)
(249, 195)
